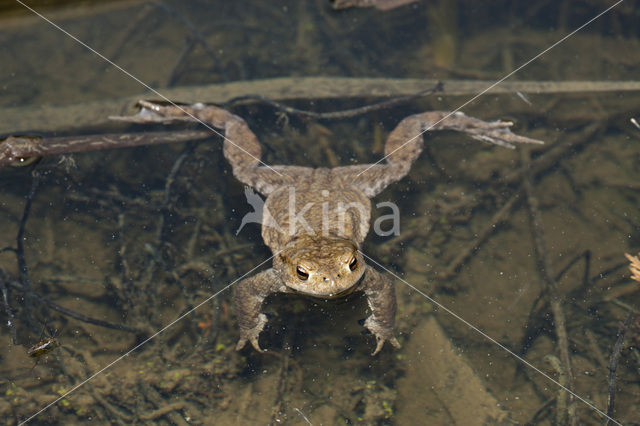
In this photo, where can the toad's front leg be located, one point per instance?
(382, 301)
(247, 301)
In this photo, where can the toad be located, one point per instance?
(315, 219)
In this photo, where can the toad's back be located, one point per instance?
(320, 202)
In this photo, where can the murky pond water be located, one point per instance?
(509, 264)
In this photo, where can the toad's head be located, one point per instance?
(318, 266)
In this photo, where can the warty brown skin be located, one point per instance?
(314, 220)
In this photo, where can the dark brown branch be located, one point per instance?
(7, 307)
(61, 117)
(166, 201)
(378, 4)
(166, 212)
(613, 363)
(586, 255)
(76, 315)
(489, 229)
(22, 262)
(335, 115)
(551, 289)
(197, 35)
(15, 149)
(175, 70)
(154, 397)
(559, 151)
(541, 304)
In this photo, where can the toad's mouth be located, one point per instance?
(342, 293)
(325, 293)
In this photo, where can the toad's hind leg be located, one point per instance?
(405, 142)
(241, 146)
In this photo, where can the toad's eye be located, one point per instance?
(302, 273)
(353, 263)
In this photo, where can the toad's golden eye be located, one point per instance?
(353, 263)
(302, 273)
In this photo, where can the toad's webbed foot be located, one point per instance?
(382, 333)
(496, 132)
(251, 334)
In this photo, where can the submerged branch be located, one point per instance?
(56, 117)
(613, 363)
(76, 315)
(15, 150)
(555, 299)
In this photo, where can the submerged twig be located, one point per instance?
(551, 157)
(336, 115)
(19, 251)
(165, 212)
(173, 77)
(586, 255)
(7, 307)
(550, 287)
(25, 285)
(613, 363)
(166, 201)
(541, 412)
(154, 397)
(541, 302)
(76, 315)
(285, 358)
(561, 399)
(16, 149)
(490, 228)
(292, 88)
(276, 411)
(197, 36)
(383, 5)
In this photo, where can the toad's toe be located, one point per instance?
(382, 333)
(252, 334)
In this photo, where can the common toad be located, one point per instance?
(315, 219)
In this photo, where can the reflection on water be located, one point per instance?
(135, 238)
